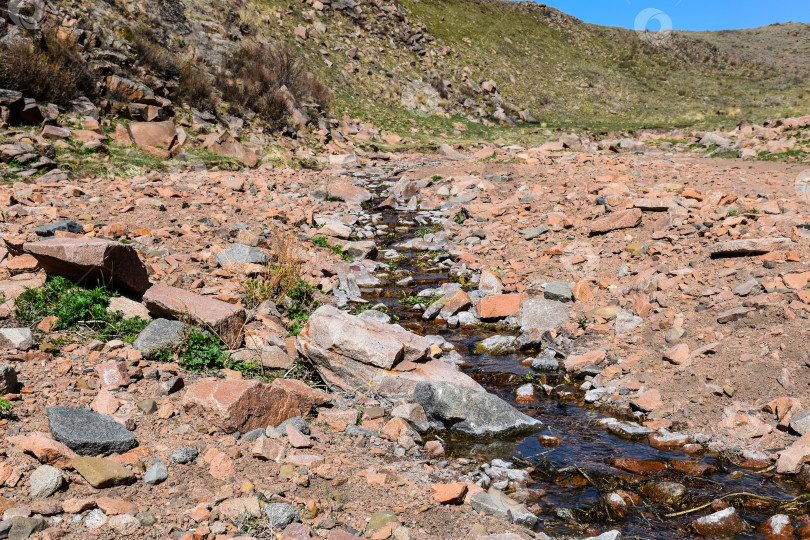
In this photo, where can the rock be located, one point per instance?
(86, 259)
(344, 160)
(497, 345)
(129, 308)
(66, 225)
(647, 401)
(380, 519)
(365, 341)
(88, 433)
(55, 132)
(713, 139)
(734, 314)
(184, 455)
(749, 247)
(414, 414)
(342, 191)
(678, 355)
(724, 523)
(500, 305)
(623, 219)
(365, 249)
(777, 527)
(157, 473)
(124, 524)
(8, 379)
(160, 334)
(45, 449)
(244, 405)
(297, 422)
(279, 515)
(791, 459)
(546, 362)
(161, 135)
(233, 508)
(113, 374)
(102, 472)
(272, 357)
(540, 315)
(629, 430)
(449, 493)
(23, 527)
(224, 319)
(531, 234)
(147, 406)
(561, 291)
(800, 422)
(240, 253)
(225, 144)
(16, 338)
(489, 505)
(626, 322)
(95, 519)
(45, 481)
(471, 412)
(447, 151)
(669, 493)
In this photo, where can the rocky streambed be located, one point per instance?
(578, 470)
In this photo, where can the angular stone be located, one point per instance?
(719, 524)
(153, 134)
(86, 259)
(623, 219)
(102, 472)
(23, 527)
(130, 308)
(749, 247)
(472, 412)
(66, 225)
(678, 355)
(734, 314)
(224, 319)
(562, 291)
(16, 338)
(232, 405)
(184, 455)
(539, 315)
(267, 449)
(160, 334)
(124, 524)
(489, 505)
(629, 430)
(365, 341)
(45, 449)
(45, 481)
(499, 306)
(449, 493)
(414, 414)
(88, 433)
(240, 253)
(113, 374)
(157, 473)
(279, 515)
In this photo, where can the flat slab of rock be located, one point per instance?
(88, 433)
(102, 473)
(363, 340)
(464, 410)
(66, 225)
(243, 405)
(500, 305)
(623, 219)
(16, 338)
(539, 315)
(224, 319)
(153, 134)
(750, 246)
(241, 253)
(86, 259)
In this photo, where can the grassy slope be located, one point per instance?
(573, 74)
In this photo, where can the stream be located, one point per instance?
(571, 481)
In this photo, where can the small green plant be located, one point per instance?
(421, 233)
(77, 308)
(414, 300)
(458, 219)
(337, 249)
(582, 323)
(202, 351)
(321, 241)
(436, 177)
(5, 407)
(733, 213)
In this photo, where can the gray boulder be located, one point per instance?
(88, 433)
(184, 455)
(297, 422)
(460, 409)
(160, 334)
(279, 515)
(241, 253)
(16, 338)
(66, 225)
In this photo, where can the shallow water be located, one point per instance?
(575, 475)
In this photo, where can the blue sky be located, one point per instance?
(686, 14)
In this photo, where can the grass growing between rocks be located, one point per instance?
(200, 351)
(83, 311)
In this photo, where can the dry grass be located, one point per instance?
(282, 275)
(46, 70)
(258, 72)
